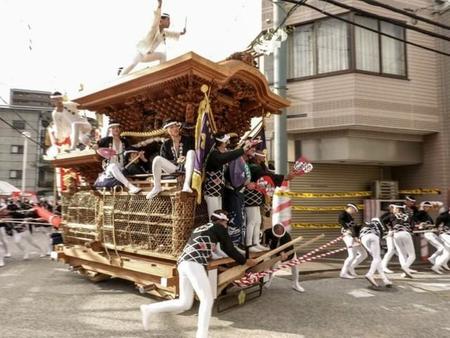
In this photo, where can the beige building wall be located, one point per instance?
(368, 101)
(377, 112)
(435, 168)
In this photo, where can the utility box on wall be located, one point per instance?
(386, 190)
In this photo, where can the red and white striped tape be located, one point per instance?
(282, 207)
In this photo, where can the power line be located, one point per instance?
(395, 22)
(26, 122)
(406, 13)
(288, 14)
(20, 117)
(337, 17)
(21, 133)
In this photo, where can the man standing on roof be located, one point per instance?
(157, 34)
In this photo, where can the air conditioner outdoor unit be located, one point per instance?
(385, 190)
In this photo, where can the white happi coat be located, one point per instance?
(63, 120)
(154, 37)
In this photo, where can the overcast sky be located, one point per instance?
(58, 44)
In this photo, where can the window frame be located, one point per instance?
(19, 147)
(352, 52)
(21, 122)
(18, 177)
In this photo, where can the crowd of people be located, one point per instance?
(397, 227)
(232, 170)
(19, 223)
(235, 199)
(232, 191)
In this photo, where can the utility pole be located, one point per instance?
(279, 82)
(25, 135)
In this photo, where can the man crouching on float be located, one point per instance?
(192, 272)
(177, 155)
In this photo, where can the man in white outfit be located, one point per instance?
(177, 154)
(443, 224)
(69, 127)
(193, 277)
(157, 34)
(114, 168)
(391, 251)
(350, 232)
(370, 235)
(424, 220)
(21, 232)
(400, 223)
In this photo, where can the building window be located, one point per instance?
(318, 48)
(15, 174)
(301, 52)
(16, 149)
(46, 177)
(378, 53)
(332, 46)
(19, 124)
(329, 45)
(367, 45)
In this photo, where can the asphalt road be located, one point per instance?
(42, 298)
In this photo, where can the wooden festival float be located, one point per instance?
(115, 234)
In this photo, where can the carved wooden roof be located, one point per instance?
(142, 100)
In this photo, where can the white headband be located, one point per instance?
(220, 216)
(114, 125)
(56, 96)
(224, 138)
(170, 124)
(410, 199)
(276, 235)
(351, 205)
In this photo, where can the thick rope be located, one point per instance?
(252, 278)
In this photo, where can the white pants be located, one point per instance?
(192, 277)
(80, 133)
(405, 247)
(356, 254)
(114, 170)
(434, 240)
(213, 203)
(253, 216)
(294, 271)
(2, 254)
(390, 250)
(27, 237)
(160, 163)
(3, 240)
(446, 241)
(372, 244)
(46, 231)
(155, 56)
